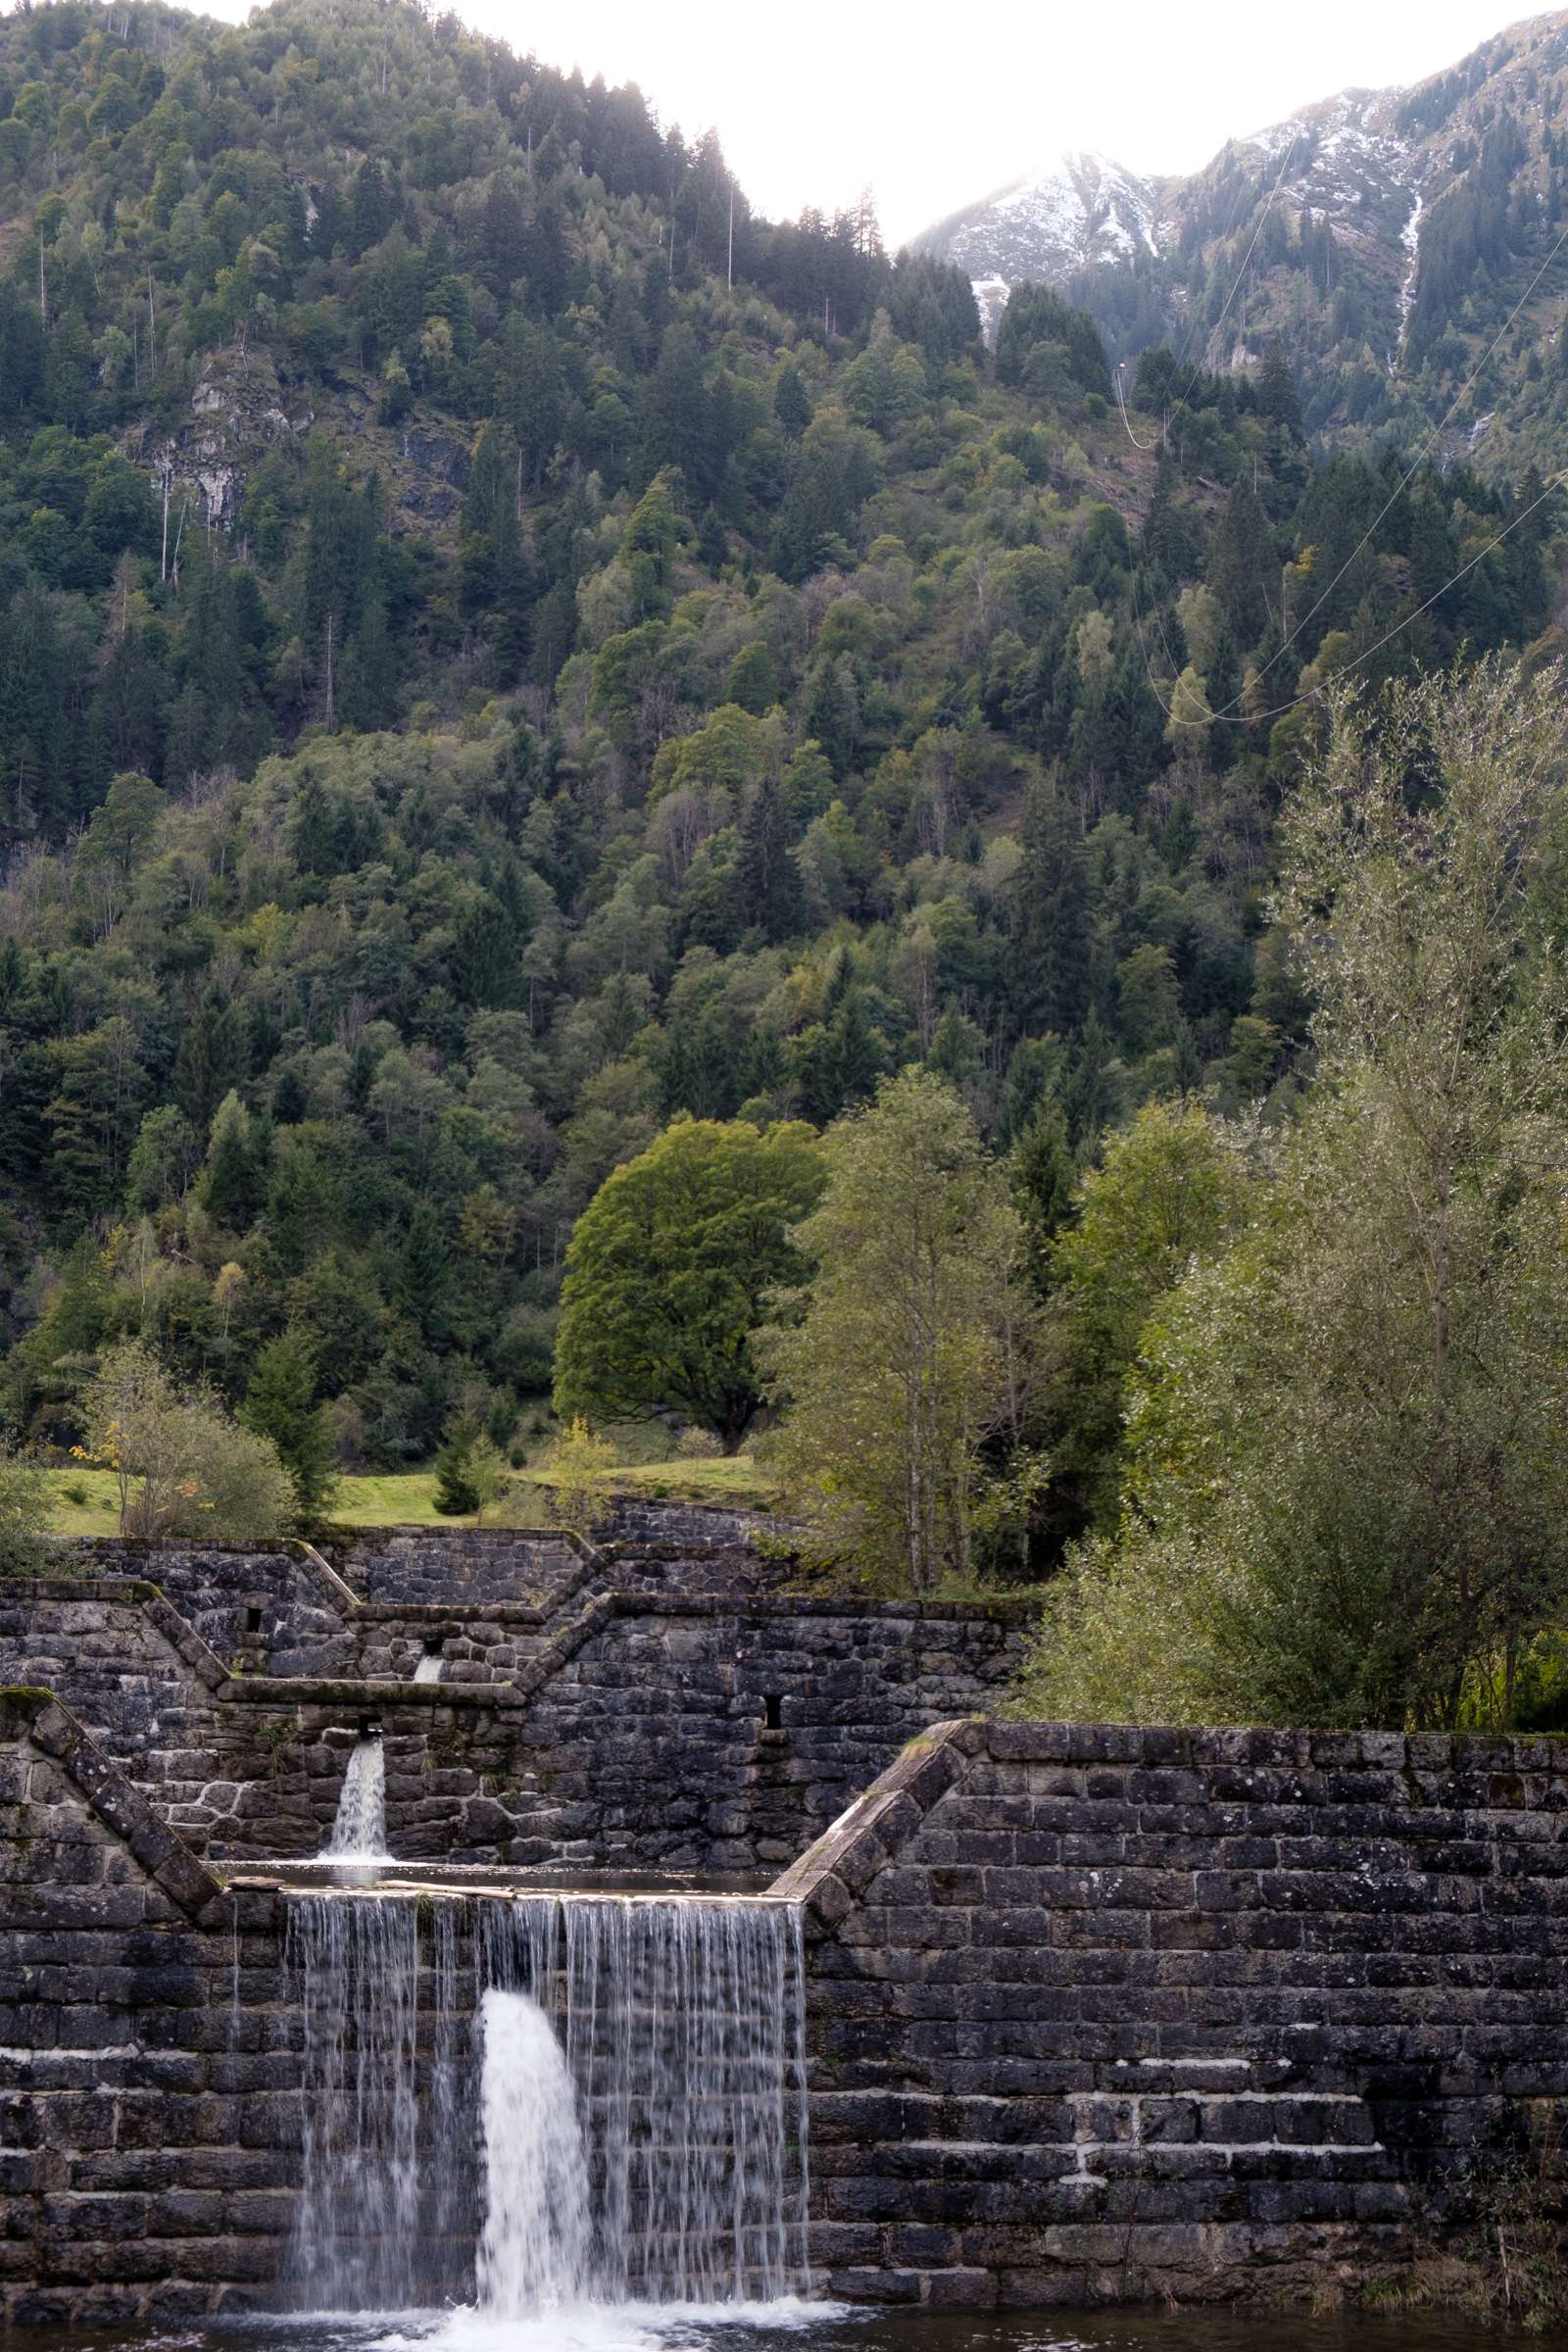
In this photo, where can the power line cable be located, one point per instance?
(1254, 718)
(1236, 284)
(1405, 479)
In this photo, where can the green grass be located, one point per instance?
(406, 1498)
(97, 1515)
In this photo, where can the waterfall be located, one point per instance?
(428, 1670)
(562, 2099)
(359, 1833)
(683, 2030)
(353, 1964)
(534, 2251)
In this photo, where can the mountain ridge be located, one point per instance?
(1382, 234)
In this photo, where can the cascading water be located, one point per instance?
(353, 1965)
(428, 1670)
(359, 1832)
(534, 2253)
(682, 2024)
(574, 2099)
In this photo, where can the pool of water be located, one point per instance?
(800, 2327)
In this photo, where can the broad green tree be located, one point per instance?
(668, 1268)
(1348, 1494)
(1168, 1195)
(901, 1358)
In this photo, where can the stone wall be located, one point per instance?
(1108, 2013)
(1092, 2015)
(271, 1607)
(642, 1736)
(640, 1728)
(149, 2113)
(449, 1565)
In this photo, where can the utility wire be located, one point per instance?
(1253, 717)
(1236, 284)
(1405, 479)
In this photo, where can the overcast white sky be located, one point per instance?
(935, 105)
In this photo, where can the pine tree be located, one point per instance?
(1043, 1180)
(422, 1273)
(210, 1060)
(280, 1403)
(230, 1187)
(1050, 931)
(770, 883)
(457, 1492)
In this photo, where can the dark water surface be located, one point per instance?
(801, 2327)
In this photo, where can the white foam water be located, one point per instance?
(589, 2109)
(358, 1831)
(626, 2328)
(428, 1670)
(534, 2250)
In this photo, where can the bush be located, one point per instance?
(183, 1466)
(243, 1494)
(577, 1469)
(23, 1516)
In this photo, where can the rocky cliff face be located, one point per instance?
(1083, 212)
(1385, 236)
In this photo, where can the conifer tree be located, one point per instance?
(280, 1403)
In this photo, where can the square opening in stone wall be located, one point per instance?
(773, 1712)
(253, 1620)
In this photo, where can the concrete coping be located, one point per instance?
(829, 1878)
(364, 1695)
(37, 1716)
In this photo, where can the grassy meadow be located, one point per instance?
(86, 1501)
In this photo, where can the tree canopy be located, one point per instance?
(670, 1265)
(1346, 1495)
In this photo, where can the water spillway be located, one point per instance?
(535, 2251)
(554, 2100)
(359, 1832)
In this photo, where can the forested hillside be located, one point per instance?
(500, 648)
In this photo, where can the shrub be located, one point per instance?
(23, 1516)
(183, 1467)
(577, 1466)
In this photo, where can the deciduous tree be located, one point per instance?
(668, 1268)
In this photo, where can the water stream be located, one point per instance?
(359, 1833)
(814, 2328)
(536, 2247)
(581, 2102)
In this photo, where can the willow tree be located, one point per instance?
(1346, 1496)
(908, 1353)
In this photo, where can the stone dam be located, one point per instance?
(684, 1937)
